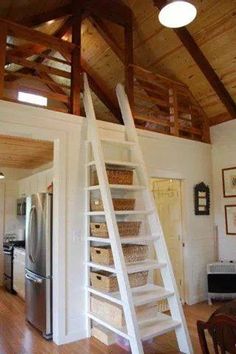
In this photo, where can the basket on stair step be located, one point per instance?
(115, 175)
(106, 281)
(114, 314)
(132, 253)
(126, 228)
(118, 203)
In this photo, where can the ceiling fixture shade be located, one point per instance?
(2, 175)
(177, 13)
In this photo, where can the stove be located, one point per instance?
(8, 251)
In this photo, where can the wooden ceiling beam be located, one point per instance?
(220, 118)
(112, 10)
(36, 20)
(204, 65)
(206, 68)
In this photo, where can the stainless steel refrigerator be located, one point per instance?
(38, 282)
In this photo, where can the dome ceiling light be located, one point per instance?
(177, 13)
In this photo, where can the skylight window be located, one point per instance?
(33, 99)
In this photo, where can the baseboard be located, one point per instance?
(196, 299)
(70, 337)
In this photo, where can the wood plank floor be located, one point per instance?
(18, 337)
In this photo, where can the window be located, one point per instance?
(33, 99)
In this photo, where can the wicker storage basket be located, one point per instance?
(114, 314)
(118, 203)
(108, 282)
(126, 228)
(115, 175)
(132, 253)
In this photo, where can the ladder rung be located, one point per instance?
(118, 142)
(117, 163)
(127, 187)
(141, 295)
(121, 212)
(127, 240)
(161, 325)
(119, 331)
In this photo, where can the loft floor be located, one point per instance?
(16, 336)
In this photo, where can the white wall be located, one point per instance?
(223, 156)
(165, 157)
(172, 157)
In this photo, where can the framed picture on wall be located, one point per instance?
(229, 182)
(230, 219)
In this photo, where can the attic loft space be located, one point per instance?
(177, 81)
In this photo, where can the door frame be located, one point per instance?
(174, 176)
(59, 138)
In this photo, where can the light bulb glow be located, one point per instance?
(177, 14)
(2, 175)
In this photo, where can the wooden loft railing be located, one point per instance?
(25, 58)
(28, 56)
(167, 106)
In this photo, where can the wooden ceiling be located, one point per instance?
(155, 48)
(17, 152)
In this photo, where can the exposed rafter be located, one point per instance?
(103, 30)
(204, 65)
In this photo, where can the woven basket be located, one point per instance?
(114, 314)
(126, 228)
(115, 176)
(132, 253)
(118, 203)
(108, 282)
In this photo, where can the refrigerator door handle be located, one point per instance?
(38, 281)
(32, 210)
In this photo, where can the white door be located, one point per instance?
(167, 194)
(2, 196)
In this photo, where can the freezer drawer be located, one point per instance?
(38, 297)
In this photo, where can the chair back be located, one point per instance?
(222, 329)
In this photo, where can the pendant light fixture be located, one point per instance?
(177, 13)
(2, 175)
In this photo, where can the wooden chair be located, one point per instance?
(222, 329)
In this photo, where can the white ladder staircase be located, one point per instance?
(136, 332)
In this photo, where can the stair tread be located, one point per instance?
(154, 327)
(127, 240)
(129, 164)
(141, 295)
(118, 142)
(132, 187)
(121, 212)
(157, 327)
(132, 267)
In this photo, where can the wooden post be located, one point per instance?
(3, 39)
(129, 61)
(174, 114)
(76, 62)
